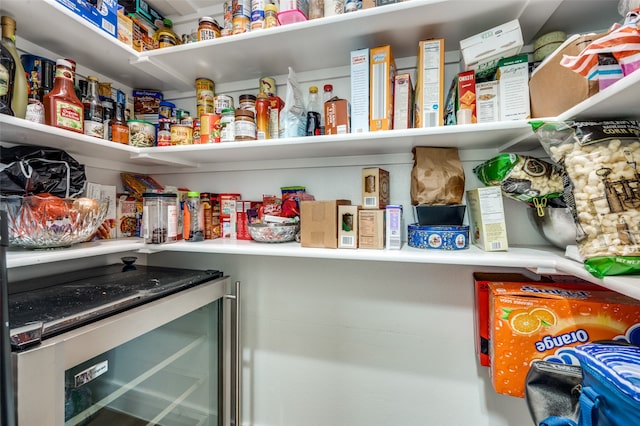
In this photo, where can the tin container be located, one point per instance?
(196, 131)
(268, 86)
(210, 128)
(438, 237)
(181, 134)
(205, 95)
(141, 133)
(221, 102)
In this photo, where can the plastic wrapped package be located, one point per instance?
(602, 188)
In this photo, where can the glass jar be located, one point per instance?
(245, 125)
(228, 125)
(247, 102)
(159, 218)
(208, 28)
(193, 217)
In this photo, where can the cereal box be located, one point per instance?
(545, 322)
(382, 72)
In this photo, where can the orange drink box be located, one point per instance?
(544, 322)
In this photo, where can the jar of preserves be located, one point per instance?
(208, 28)
(247, 102)
(245, 125)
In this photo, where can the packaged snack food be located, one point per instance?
(602, 188)
(523, 178)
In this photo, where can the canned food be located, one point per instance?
(221, 102)
(205, 90)
(196, 131)
(268, 86)
(187, 121)
(209, 128)
(164, 132)
(141, 133)
(181, 134)
(241, 24)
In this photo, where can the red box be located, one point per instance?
(467, 94)
(242, 219)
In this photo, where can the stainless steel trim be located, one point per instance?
(232, 404)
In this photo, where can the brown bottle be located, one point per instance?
(262, 116)
(62, 108)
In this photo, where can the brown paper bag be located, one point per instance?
(437, 177)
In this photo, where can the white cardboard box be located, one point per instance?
(486, 218)
(360, 91)
(487, 102)
(482, 51)
(429, 92)
(393, 223)
(513, 88)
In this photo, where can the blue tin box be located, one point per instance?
(438, 237)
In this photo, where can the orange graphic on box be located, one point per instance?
(540, 322)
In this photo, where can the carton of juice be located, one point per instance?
(544, 322)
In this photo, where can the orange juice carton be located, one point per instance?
(545, 322)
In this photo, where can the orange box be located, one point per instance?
(467, 93)
(336, 113)
(382, 74)
(540, 322)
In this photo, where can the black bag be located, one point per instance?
(28, 170)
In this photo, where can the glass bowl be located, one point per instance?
(38, 222)
(273, 232)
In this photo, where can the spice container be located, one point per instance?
(193, 216)
(159, 218)
(245, 125)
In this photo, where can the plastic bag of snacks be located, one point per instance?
(602, 189)
(523, 178)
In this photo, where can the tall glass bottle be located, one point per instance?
(20, 85)
(61, 105)
(93, 113)
(7, 75)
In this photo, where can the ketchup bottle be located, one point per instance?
(61, 106)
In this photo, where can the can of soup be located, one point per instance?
(205, 90)
(221, 102)
(181, 134)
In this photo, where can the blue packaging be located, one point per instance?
(438, 237)
(103, 14)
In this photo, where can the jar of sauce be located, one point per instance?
(245, 125)
(247, 102)
(208, 28)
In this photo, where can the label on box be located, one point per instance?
(486, 218)
(429, 93)
(360, 91)
(348, 226)
(393, 231)
(371, 229)
(487, 104)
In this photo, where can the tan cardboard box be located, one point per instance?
(319, 223)
(403, 102)
(382, 75)
(375, 188)
(486, 218)
(336, 117)
(429, 92)
(553, 88)
(348, 226)
(371, 228)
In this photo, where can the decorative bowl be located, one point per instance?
(38, 222)
(273, 232)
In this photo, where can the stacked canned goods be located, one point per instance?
(241, 16)
(205, 93)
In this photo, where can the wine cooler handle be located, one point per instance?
(235, 379)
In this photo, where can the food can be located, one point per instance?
(227, 12)
(241, 24)
(205, 90)
(268, 86)
(164, 132)
(209, 128)
(196, 131)
(187, 121)
(181, 134)
(181, 113)
(221, 102)
(257, 14)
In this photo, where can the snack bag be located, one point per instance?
(602, 188)
(523, 178)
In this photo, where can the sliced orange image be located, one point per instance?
(525, 323)
(545, 315)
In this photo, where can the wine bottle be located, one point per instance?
(20, 87)
(7, 75)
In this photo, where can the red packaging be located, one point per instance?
(467, 94)
(225, 205)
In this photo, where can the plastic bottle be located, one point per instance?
(165, 36)
(61, 106)
(262, 116)
(193, 218)
(20, 86)
(313, 112)
(327, 94)
(93, 113)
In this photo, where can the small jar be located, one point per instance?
(159, 218)
(164, 132)
(247, 102)
(245, 125)
(35, 110)
(228, 125)
(208, 28)
(196, 131)
(193, 217)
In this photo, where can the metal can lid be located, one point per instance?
(210, 20)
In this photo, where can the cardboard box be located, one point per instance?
(466, 98)
(541, 322)
(482, 51)
(142, 40)
(348, 226)
(359, 91)
(486, 218)
(125, 28)
(242, 230)
(513, 88)
(146, 101)
(403, 102)
(371, 227)
(368, 4)
(336, 117)
(382, 76)
(481, 300)
(129, 214)
(319, 223)
(393, 228)
(375, 188)
(487, 102)
(553, 88)
(429, 92)
(142, 8)
(105, 17)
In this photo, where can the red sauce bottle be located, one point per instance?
(61, 106)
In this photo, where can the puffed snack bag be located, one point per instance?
(601, 187)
